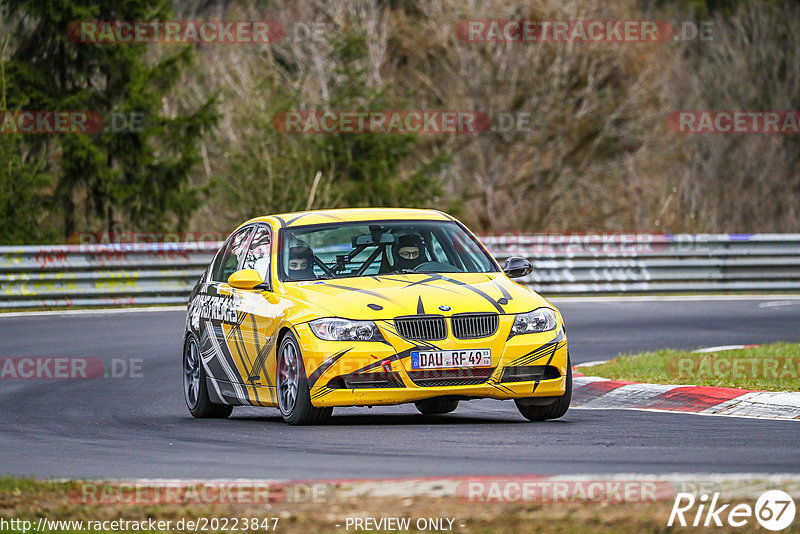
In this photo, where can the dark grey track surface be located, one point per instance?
(140, 427)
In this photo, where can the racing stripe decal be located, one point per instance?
(430, 278)
(205, 356)
(235, 333)
(260, 364)
(530, 357)
(213, 367)
(475, 290)
(226, 366)
(552, 355)
(548, 349)
(326, 215)
(295, 218)
(401, 280)
(496, 385)
(318, 372)
(506, 294)
(321, 392)
(389, 326)
(365, 291)
(425, 281)
(538, 354)
(541, 351)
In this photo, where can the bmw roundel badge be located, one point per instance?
(444, 307)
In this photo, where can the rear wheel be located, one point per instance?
(436, 406)
(195, 389)
(294, 398)
(553, 410)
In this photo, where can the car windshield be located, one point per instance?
(372, 248)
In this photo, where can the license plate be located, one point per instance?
(442, 359)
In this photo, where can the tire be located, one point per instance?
(195, 388)
(550, 411)
(436, 406)
(294, 398)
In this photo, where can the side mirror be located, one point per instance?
(516, 267)
(247, 279)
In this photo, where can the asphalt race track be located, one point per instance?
(139, 426)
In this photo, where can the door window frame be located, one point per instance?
(268, 228)
(250, 228)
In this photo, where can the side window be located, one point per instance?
(260, 253)
(438, 251)
(228, 260)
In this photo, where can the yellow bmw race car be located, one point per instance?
(364, 307)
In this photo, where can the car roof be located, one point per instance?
(303, 218)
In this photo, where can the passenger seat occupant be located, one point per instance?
(301, 263)
(408, 252)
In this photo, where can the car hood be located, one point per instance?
(389, 296)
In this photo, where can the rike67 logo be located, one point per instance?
(774, 510)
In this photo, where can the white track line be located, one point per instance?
(590, 364)
(722, 348)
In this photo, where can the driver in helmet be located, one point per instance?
(408, 252)
(301, 263)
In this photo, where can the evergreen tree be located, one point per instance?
(23, 205)
(138, 177)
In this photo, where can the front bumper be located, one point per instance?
(328, 363)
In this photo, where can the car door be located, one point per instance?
(220, 320)
(260, 316)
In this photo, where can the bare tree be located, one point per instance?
(741, 182)
(570, 120)
(579, 138)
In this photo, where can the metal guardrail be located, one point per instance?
(655, 263)
(59, 276)
(62, 276)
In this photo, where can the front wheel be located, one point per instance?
(195, 389)
(294, 398)
(553, 410)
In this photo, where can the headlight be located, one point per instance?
(539, 320)
(345, 330)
